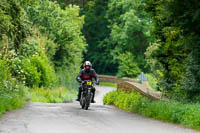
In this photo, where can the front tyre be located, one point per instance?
(82, 101)
(88, 100)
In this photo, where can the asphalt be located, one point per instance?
(70, 118)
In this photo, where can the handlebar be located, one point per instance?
(84, 81)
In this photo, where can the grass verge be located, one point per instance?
(174, 112)
(108, 84)
(11, 101)
(58, 95)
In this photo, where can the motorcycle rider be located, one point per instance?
(87, 73)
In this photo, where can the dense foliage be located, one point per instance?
(41, 49)
(12, 94)
(57, 25)
(96, 31)
(14, 26)
(118, 27)
(128, 66)
(175, 112)
(114, 27)
(176, 53)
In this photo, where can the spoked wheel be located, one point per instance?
(86, 107)
(82, 102)
(87, 100)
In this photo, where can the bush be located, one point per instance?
(26, 72)
(35, 71)
(128, 66)
(110, 97)
(4, 72)
(192, 117)
(47, 72)
(129, 102)
(12, 94)
(152, 81)
(29, 48)
(175, 112)
(37, 44)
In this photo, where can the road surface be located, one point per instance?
(70, 118)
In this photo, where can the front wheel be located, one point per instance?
(83, 106)
(87, 100)
(82, 101)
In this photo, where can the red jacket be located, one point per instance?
(83, 75)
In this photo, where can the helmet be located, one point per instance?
(87, 65)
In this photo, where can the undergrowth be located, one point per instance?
(52, 95)
(187, 114)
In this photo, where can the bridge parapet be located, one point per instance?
(128, 85)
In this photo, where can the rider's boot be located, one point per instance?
(79, 95)
(93, 101)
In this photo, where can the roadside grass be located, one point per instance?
(108, 84)
(11, 101)
(187, 114)
(58, 95)
(12, 93)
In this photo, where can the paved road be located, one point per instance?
(70, 118)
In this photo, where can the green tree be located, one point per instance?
(128, 66)
(130, 28)
(14, 26)
(176, 23)
(95, 30)
(114, 27)
(57, 24)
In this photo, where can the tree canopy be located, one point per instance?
(178, 53)
(116, 27)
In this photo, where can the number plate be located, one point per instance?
(89, 83)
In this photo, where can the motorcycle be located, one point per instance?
(86, 94)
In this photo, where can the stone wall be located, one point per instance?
(112, 79)
(143, 89)
(128, 85)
